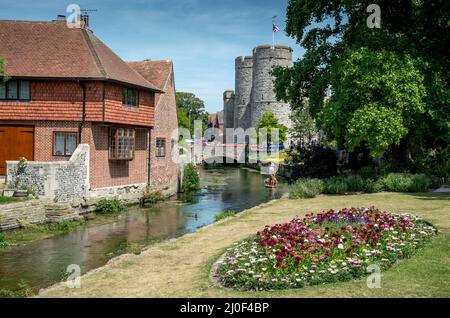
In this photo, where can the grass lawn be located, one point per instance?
(181, 267)
(5, 200)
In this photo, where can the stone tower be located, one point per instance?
(263, 98)
(243, 89)
(228, 108)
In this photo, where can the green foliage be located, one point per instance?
(313, 161)
(388, 85)
(3, 76)
(62, 226)
(368, 172)
(306, 188)
(335, 185)
(191, 108)
(106, 206)
(6, 200)
(153, 197)
(191, 179)
(23, 290)
(224, 214)
(269, 122)
(3, 241)
(403, 182)
(373, 186)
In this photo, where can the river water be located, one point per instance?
(43, 262)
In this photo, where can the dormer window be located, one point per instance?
(130, 97)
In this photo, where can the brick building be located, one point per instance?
(164, 169)
(67, 88)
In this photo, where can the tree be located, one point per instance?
(193, 108)
(389, 85)
(304, 127)
(3, 76)
(269, 122)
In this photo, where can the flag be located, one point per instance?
(275, 28)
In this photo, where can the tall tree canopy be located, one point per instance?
(189, 109)
(389, 85)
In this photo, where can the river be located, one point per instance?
(43, 262)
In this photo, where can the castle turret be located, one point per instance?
(228, 108)
(263, 98)
(243, 89)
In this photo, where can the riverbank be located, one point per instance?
(181, 267)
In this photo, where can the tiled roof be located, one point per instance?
(156, 72)
(53, 50)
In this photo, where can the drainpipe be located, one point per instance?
(149, 179)
(83, 115)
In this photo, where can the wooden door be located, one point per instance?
(15, 142)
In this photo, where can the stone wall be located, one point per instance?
(243, 89)
(263, 98)
(57, 181)
(228, 108)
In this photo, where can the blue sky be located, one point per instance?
(202, 37)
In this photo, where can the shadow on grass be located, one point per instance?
(430, 196)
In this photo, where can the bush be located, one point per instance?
(403, 182)
(305, 188)
(63, 226)
(336, 185)
(153, 197)
(316, 161)
(191, 179)
(354, 183)
(224, 215)
(368, 172)
(373, 186)
(106, 206)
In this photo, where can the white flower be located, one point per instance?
(340, 246)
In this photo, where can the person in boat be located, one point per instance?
(272, 181)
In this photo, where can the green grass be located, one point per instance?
(224, 214)
(36, 232)
(426, 274)
(6, 200)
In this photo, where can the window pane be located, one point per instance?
(58, 147)
(12, 90)
(71, 144)
(24, 90)
(2, 90)
(112, 144)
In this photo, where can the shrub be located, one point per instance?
(316, 161)
(329, 247)
(403, 182)
(305, 188)
(224, 214)
(336, 185)
(191, 179)
(354, 183)
(368, 172)
(153, 197)
(374, 186)
(106, 206)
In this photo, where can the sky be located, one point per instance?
(201, 37)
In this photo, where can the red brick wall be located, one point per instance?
(108, 173)
(164, 171)
(62, 101)
(103, 172)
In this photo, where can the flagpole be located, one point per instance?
(273, 32)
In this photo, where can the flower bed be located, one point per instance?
(324, 248)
